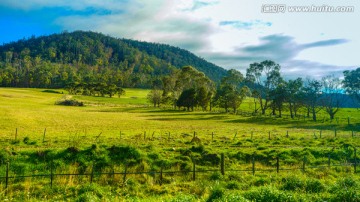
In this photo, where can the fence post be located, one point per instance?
(304, 164)
(161, 175)
(7, 175)
(277, 164)
(16, 131)
(222, 165)
(287, 134)
(194, 134)
(124, 178)
(169, 136)
(194, 171)
(51, 173)
(355, 163)
(335, 132)
(92, 173)
(329, 161)
(235, 135)
(44, 135)
(253, 165)
(269, 135)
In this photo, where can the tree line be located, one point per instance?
(263, 82)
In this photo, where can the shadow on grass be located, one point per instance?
(289, 123)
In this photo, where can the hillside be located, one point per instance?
(59, 59)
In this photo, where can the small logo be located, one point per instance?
(273, 8)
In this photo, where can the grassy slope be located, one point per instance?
(31, 110)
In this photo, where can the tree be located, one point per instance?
(294, 95)
(278, 96)
(312, 92)
(187, 99)
(351, 83)
(230, 95)
(263, 77)
(154, 97)
(120, 91)
(332, 95)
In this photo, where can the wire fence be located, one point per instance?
(194, 171)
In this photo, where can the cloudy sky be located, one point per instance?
(229, 33)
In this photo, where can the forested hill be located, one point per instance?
(60, 59)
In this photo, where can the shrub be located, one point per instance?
(215, 194)
(68, 101)
(314, 186)
(265, 194)
(232, 185)
(346, 195)
(215, 176)
(292, 183)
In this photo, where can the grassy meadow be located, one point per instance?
(110, 135)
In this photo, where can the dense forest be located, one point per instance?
(59, 60)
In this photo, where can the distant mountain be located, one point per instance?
(59, 59)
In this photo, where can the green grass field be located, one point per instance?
(78, 137)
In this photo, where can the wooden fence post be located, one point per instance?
(277, 164)
(7, 175)
(355, 163)
(329, 161)
(222, 164)
(51, 173)
(44, 135)
(253, 165)
(235, 136)
(161, 175)
(194, 134)
(335, 132)
(194, 171)
(16, 131)
(92, 173)
(269, 135)
(287, 134)
(124, 177)
(304, 164)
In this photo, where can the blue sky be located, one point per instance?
(229, 33)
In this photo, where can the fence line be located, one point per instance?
(194, 171)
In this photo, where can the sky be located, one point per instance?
(228, 33)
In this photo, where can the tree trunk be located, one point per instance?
(314, 113)
(291, 110)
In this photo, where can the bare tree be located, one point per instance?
(332, 95)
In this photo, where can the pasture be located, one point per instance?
(316, 162)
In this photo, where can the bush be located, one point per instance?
(265, 194)
(232, 185)
(215, 194)
(314, 186)
(292, 184)
(215, 176)
(346, 195)
(68, 101)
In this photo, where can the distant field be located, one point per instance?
(32, 110)
(76, 138)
